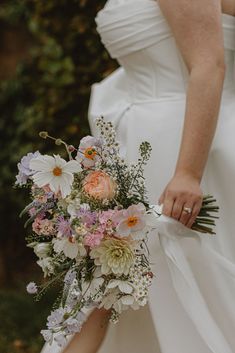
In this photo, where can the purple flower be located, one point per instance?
(87, 217)
(55, 318)
(63, 227)
(61, 340)
(24, 170)
(47, 335)
(74, 325)
(69, 277)
(32, 288)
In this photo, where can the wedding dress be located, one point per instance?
(192, 301)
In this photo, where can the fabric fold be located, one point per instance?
(170, 232)
(109, 98)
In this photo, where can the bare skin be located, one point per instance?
(91, 336)
(198, 32)
(197, 28)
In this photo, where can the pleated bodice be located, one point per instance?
(136, 33)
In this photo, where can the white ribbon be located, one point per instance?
(184, 282)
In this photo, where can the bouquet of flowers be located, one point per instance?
(90, 220)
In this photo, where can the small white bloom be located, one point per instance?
(124, 303)
(47, 335)
(55, 172)
(123, 286)
(109, 299)
(42, 249)
(73, 206)
(70, 247)
(46, 265)
(32, 288)
(61, 340)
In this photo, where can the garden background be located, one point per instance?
(50, 54)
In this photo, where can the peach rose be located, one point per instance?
(99, 185)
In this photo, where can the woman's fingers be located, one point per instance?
(196, 209)
(186, 216)
(183, 191)
(168, 206)
(161, 198)
(175, 208)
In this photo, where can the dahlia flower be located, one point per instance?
(114, 256)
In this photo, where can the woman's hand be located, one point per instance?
(182, 191)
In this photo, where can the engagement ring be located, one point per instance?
(187, 209)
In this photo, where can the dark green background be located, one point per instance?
(50, 54)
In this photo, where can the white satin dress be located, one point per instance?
(192, 301)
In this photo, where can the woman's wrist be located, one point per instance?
(187, 173)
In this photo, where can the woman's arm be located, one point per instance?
(197, 28)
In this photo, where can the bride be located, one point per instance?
(175, 88)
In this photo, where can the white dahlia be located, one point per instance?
(55, 172)
(114, 256)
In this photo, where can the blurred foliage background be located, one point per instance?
(50, 54)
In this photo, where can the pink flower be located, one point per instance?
(99, 185)
(32, 211)
(106, 222)
(131, 220)
(43, 226)
(93, 239)
(105, 216)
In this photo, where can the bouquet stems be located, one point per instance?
(205, 221)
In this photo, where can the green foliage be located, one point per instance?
(49, 91)
(22, 320)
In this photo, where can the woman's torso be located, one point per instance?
(136, 33)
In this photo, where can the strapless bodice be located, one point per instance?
(152, 70)
(136, 33)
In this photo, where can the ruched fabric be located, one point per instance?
(127, 26)
(131, 26)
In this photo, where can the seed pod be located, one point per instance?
(58, 142)
(43, 134)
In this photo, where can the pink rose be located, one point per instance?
(99, 185)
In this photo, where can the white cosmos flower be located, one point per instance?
(55, 172)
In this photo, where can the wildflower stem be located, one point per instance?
(62, 143)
